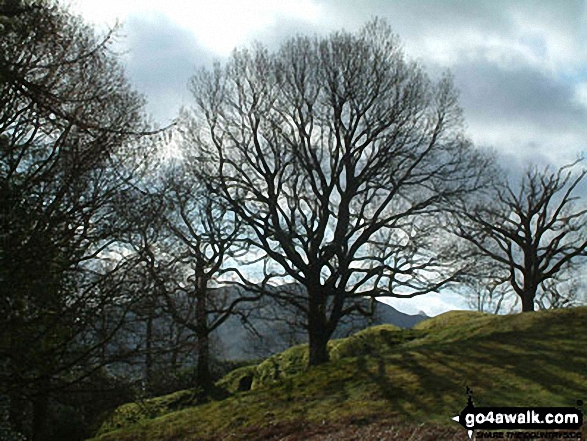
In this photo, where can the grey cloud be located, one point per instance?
(517, 94)
(498, 96)
(161, 58)
(413, 18)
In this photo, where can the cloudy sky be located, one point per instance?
(521, 66)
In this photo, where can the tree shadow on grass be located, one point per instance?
(535, 364)
(505, 369)
(412, 388)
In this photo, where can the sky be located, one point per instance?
(520, 66)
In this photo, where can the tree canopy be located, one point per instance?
(338, 154)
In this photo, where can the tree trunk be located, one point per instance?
(149, 350)
(40, 408)
(528, 301)
(318, 334)
(17, 409)
(318, 348)
(203, 377)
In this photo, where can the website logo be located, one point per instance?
(541, 420)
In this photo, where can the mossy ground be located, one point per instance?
(389, 375)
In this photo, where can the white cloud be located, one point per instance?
(107, 12)
(529, 142)
(581, 94)
(431, 304)
(542, 49)
(557, 34)
(521, 65)
(218, 25)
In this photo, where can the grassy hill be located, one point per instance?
(383, 382)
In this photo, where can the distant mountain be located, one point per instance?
(388, 314)
(272, 327)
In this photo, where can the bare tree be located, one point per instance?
(338, 154)
(485, 283)
(564, 290)
(206, 236)
(187, 241)
(535, 231)
(487, 293)
(157, 342)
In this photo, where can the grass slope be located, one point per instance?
(383, 382)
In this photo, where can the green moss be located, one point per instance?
(451, 319)
(291, 362)
(372, 341)
(294, 361)
(236, 380)
(132, 413)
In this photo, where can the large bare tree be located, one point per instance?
(534, 230)
(338, 154)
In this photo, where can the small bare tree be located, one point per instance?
(535, 231)
(565, 290)
(205, 237)
(187, 242)
(338, 155)
(487, 294)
